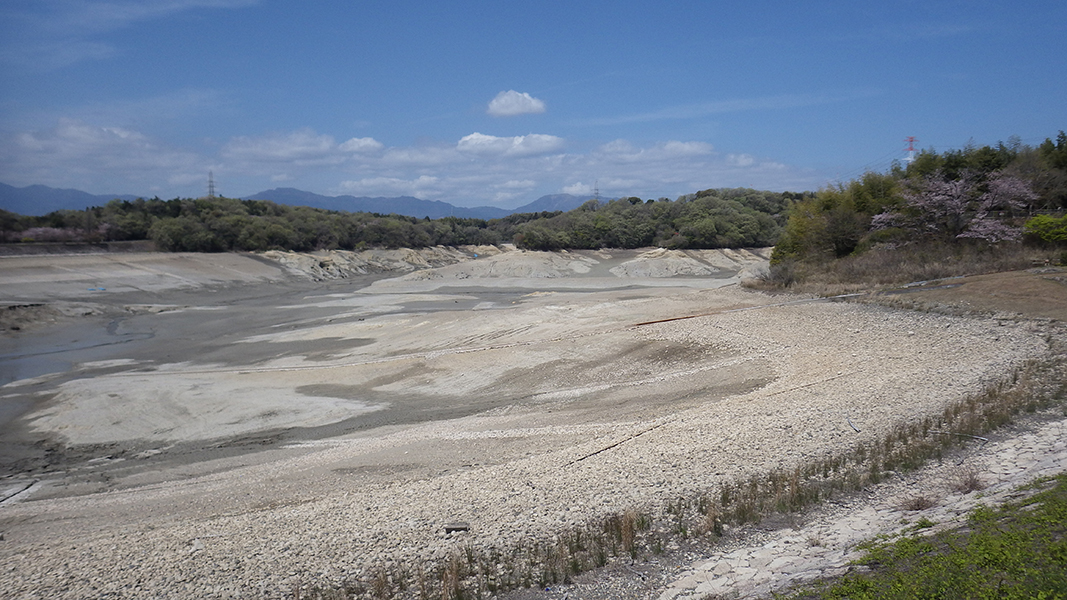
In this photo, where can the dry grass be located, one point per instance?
(896, 266)
(966, 480)
(918, 502)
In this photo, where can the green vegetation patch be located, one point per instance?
(1017, 550)
(714, 218)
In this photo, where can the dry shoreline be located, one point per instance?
(528, 405)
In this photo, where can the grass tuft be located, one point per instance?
(967, 480)
(918, 502)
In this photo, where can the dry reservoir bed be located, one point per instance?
(273, 430)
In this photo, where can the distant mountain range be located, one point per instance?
(39, 200)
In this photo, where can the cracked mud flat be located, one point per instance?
(235, 428)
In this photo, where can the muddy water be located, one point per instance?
(59, 350)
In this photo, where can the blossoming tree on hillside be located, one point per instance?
(964, 207)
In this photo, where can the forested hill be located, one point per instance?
(983, 197)
(708, 219)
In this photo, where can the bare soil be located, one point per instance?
(1039, 293)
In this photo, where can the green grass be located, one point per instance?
(1016, 550)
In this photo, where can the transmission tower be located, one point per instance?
(596, 191)
(910, 149)
(210, 185)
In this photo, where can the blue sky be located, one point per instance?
(498, 103)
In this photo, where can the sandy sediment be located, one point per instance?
(472, 391)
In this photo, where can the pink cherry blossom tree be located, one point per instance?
(965, 207)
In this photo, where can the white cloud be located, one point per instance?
(578, 189)
(420, 156)
(536, 143)
(421, 186)
(674, 148)
(92, 146)
(618, 148)
(478, 169)
(512, 103)
(522, 145)
(515, 184)
(77, 154)
(362, 145)
(740, 160)
(300, 145)
(624, 151)
(477, 143)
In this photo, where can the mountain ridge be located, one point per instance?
(38, 200)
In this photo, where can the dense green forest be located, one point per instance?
(707, 219)
(989, 195)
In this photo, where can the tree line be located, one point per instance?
(706, 219)
(990, 195)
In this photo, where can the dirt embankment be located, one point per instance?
(1039, 293)
(505, 261)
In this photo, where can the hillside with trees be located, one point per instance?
(706, 219)
(988, 201)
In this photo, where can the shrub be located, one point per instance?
(1046, 229)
